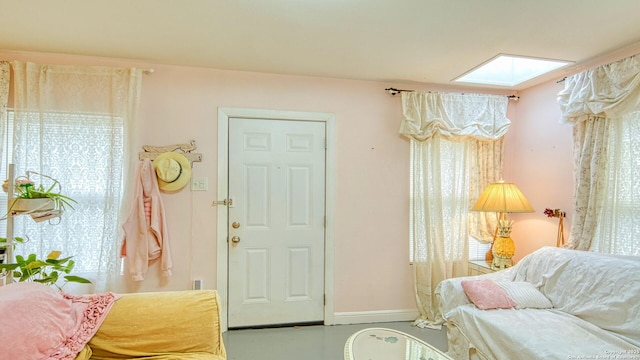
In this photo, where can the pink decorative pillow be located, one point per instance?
(39, 322)
(486, 294)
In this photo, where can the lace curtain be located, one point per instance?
(71, 123)
(456, 147)
(5, 70)
(603, 105)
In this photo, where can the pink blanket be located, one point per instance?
(38, 322)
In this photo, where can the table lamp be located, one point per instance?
(503, 198)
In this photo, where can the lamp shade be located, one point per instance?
(502, 197)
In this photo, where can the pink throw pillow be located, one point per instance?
(486, 294)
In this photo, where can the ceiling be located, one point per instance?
(397, 41)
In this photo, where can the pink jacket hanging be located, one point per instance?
(145, 230)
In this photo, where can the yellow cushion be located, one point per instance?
(84, 354)
(161, 325)
(177, 356)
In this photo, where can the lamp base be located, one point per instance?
(501, 263)
(503, 251)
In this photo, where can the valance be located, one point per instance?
(480, 116)
(606, 91)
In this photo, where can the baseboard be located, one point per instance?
(367, 317)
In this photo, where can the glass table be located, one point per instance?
(389, 344)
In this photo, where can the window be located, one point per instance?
(618, 228)
(476, 249)
(84, 152)
(510, 70)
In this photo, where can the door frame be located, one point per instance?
(222, 249)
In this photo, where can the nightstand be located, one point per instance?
(480, 267)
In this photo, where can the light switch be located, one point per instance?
(199, 184)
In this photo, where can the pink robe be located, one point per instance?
(145, 230)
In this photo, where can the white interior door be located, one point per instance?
(276, 222)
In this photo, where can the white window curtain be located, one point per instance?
(5, 70)
(73, 123)
(603, 105)
(456, 148)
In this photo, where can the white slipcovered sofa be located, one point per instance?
(592, 312)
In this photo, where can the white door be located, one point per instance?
(276, 222)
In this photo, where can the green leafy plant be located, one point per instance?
(27, 189)
(47, 271)
(3, 242)
(3, 247)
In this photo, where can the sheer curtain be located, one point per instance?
(603, 105)
(456, 146)
(71, 123)
(5, 70)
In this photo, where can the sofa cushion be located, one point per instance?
(525, 294)
(601, 289)
(486, 294)
(162, 325)
(534, 334)
(595, 314)
(84, 354)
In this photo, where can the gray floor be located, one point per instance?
(314, 342)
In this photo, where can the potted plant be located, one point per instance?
(47, 271)
(3, 242)
(29, 197)
(41, 203)
(3, 247)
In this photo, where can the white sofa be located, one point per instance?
(595, 311)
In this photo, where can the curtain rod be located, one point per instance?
(394, 91)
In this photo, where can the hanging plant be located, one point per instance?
(29, 197)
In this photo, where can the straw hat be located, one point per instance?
(173, 170)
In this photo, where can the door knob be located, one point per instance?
(235, 225)
(235, 239)
(224, 202)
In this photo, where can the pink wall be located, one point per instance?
(371, 207)
(539, 158)
(370, 227)
(372, 271)
(539, 161)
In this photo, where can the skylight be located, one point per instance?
(510, 70)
